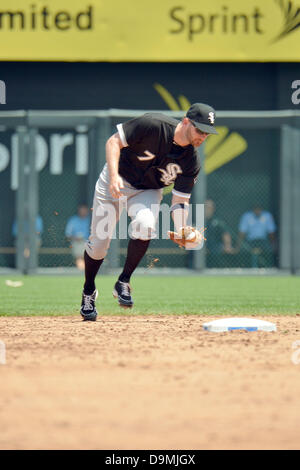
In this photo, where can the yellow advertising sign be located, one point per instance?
(156, 30)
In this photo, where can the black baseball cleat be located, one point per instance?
(88, 310)
(122, 292)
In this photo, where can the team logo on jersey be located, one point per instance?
(170, 173)
(149, 156)
(211, 117)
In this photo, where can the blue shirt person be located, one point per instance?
(257, 225)
(78, 231)
(78, 226)
(38, 228)
(258, 228)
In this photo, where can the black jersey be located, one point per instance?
(151, 159)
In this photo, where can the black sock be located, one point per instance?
(135, 252)
(91, 268)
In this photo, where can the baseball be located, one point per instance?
(191, 237)
(188, 234)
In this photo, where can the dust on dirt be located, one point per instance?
(152, 382)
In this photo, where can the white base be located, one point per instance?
(247, 324)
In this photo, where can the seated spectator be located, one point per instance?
(218, 238)
(78, 231)
(38, 228)
(257, 236)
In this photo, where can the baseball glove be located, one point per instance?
(187, 237)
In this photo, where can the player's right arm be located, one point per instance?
(112, 149)
(128, 134)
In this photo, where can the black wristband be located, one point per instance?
(180, 205)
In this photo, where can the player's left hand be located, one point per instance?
(187, 237)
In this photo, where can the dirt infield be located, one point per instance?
(147, 383)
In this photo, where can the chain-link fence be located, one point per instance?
(50, 161)
(242, 223)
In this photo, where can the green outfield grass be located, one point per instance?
(60, 295)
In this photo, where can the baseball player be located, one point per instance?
(144, 155)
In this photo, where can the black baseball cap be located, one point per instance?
(203, 117)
